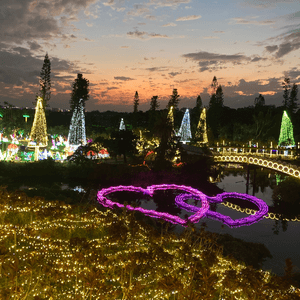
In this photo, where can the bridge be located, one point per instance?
(264, 162)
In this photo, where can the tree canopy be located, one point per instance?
(80, 91)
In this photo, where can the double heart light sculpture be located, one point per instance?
(188, 193)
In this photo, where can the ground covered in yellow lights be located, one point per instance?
(50, 250)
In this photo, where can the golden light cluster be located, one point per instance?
(50, 250)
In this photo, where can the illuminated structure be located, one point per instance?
(61, 252)
(263, 162)
(122, 125)
(286, 137)
(201, 128)
(77, 127)
(38, 131)
(200, 212)
(171, 116)
(185, 128)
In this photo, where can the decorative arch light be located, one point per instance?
(293, 171)
(188, 193)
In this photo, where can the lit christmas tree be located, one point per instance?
(171, 116)
(39, 127)
(122, 125)
(286, 137)
(201, 132)
(77, 127)
(185, 128)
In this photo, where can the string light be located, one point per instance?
(77, 134)
(286, 137)
(200, 212)
(185, 128)
(202, 128)
(51, 250)
(39, 127)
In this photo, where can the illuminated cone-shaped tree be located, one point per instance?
(185, 128)
(122, 125)
(286, 137)
(77, 127)
(201, 132)
(39, 127)
(171, 116)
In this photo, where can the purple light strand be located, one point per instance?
(200, 212)
(150, 191)
(262, 208)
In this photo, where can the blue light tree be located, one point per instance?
(122, 125)
(185, 128)
(77, 134)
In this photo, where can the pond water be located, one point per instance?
(282, 246)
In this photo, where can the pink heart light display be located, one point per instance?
(262, 208)
(101, 196)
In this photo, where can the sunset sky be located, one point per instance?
(149, 46)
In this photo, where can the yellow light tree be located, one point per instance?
(39, 127)
(171, 116)
(201, 132)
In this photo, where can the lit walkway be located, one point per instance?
(259, 161)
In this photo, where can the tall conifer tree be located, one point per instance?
(45, 83)
(80, 92)
(286, 93)
(293, 98)
(154, 103)
(136, 102)
(174, 100)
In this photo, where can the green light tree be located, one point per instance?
(286, 137)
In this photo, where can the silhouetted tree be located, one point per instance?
(45, 82)
(286, 93)
(136, 102)
(174, 100)
(214, 85)
(154, 103)
(293, 98)
(259, 101)
(80, 91)
(198, 107)
(219, 96)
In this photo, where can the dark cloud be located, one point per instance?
(265, 4)
(112, 88)
(123, 78)
(212, 61)
(271, 48)
(34, 46)
(145, 35)
(253, 87)
(290, 42)
(255, 59)
(286, 48)
(28, 20)
(293, 74)
(174, 73)
(156, 69)
(168, 3)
